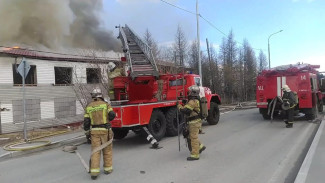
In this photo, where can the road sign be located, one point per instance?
(24, 65)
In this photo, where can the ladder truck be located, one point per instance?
(145, 101)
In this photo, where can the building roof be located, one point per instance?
(51, 56)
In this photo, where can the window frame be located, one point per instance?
(98, 75)
(17, 77)
(70, 69)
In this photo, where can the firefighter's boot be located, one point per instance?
(289, 125)
(202, 148)
(193, 157)
(108, 170)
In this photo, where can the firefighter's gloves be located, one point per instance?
(111, 115)
(87, 124)
(185, 132)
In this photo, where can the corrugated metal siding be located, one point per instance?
(56, 104)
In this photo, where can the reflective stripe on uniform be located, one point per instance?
(195, 156)
(95, 129)
(94, 170)
(108, 168)
(194, 121)
(102, 107)
(197, 104)
(201, 146)
(86, 115)
(189, 107)
(110, 109)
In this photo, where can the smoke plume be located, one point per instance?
(55, 24)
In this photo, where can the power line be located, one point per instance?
(178, 7)
(206, 20)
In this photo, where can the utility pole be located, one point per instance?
(198, 40)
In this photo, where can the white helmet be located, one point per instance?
(111, 66)
(194, 91)
(96, 93)
(286, 88)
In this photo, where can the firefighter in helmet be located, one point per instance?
(98, 115)
(113, 72)
(192, 112)
(288, 105)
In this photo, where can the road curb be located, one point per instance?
(304, 169)
(74, 140)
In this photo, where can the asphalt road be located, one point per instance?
(241, 148)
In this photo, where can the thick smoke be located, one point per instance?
(55, 24)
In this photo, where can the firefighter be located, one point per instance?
(192, 112)
(114, 72)
(96, 119)
(289, 102)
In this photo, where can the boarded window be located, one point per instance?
(63, 75)
(93, 75)
(33, 110)
(31, 78)
(65, 107)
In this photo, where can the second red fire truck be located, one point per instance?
(303, 79)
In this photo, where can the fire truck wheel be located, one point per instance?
(172, 126)
(264, 114)
(214, 114)
(157, 124)
(120, 133)
(311, 114)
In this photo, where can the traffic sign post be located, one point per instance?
(23, 70)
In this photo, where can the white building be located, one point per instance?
(50, 88)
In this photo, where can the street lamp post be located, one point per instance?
(268, 42)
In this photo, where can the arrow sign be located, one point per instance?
(23, 67)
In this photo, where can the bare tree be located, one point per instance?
(180, 46)
(194, 57)
(151, 42)
(228, 55)
(262, 61)
(250, 71)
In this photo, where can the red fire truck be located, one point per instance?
(301, 78)
(145, 100)
(148, 102)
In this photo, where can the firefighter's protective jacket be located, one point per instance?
(289, 97)
(115, 73)
(98, 111)
(191, 110)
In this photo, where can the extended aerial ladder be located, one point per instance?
(138, 54)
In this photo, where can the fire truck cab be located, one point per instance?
(301, 78)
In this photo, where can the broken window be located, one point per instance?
(30, 80)
(93, 75)
(63, 75)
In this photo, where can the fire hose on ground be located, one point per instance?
(73, 149)
(39, 143)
